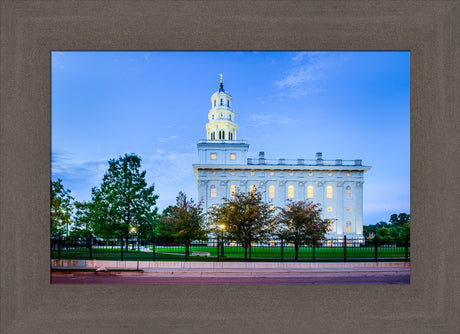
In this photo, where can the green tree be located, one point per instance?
(399, 219)
(246, 218)
(300, 220)
(82, 220)
(185, 221)
(61, 207)
(124, 200)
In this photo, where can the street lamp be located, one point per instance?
(222, 228)
(133, 231)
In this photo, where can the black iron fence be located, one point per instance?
(310, 250)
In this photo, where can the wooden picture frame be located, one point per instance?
(31, 30)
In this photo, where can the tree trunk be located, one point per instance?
(187, 244)
(245, 252)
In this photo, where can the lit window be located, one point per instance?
(271, 191)
(213, 156)
(348, 208)
(291, 191)
(348, 174)
(329, 209)
(233, 173)
(290, 173)
(310, 173)
(252, 173)
(329, 192)
(271, 208)
(348, 192)
(252, 188)
(232, 155)
(329, 227)
(213, 191)
(348, 227)
(329, 173)
(271, 173)
(232, 190)
(310, 191)
(213, 172)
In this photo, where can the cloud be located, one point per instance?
(57, 60)
(147, 58)
(307, 74)
(167, 139)
(262, 120)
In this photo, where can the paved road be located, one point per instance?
(344, 278)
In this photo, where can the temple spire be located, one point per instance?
(221, 89)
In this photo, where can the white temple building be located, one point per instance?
(224, 167)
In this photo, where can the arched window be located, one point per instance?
(213, 191)
(228, 103)
(230, 136)
(223, 134)
(348, 192)
(329, 209)
(232, 190)
(348, 227)
(310, 191)
(271, 191)
(252, 188)
(221, 102)
(329, 227)
(213, 135)
(329, 192)
(215, 103)
(291, 191)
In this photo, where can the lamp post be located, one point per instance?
(133, 231)
(222, 228)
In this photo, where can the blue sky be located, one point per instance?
(348, 105)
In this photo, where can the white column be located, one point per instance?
(358, 228)
(223, 190)
(340, 223)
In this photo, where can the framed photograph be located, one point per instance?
(31, 31)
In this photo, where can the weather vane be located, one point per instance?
(221, 77)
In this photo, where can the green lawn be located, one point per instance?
(259, 253)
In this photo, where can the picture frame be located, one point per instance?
(31, 30)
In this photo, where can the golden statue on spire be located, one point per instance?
(221, 77)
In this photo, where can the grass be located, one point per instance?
(234, 253)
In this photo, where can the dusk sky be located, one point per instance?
(347, 105)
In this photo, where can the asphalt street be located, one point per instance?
(313, 278)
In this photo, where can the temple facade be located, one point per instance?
(224, 168)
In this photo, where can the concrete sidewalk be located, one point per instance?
(240, 269)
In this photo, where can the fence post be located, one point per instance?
(282, 250)
(217, 249)
(186, 250)
(406, 246)
(376, 246)
(153, 247)
(59, 245)
(90, 247)
(250, 252)
(122, 247)
(314, 246)
(344, 248)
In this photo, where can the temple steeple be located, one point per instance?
(221, 117)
